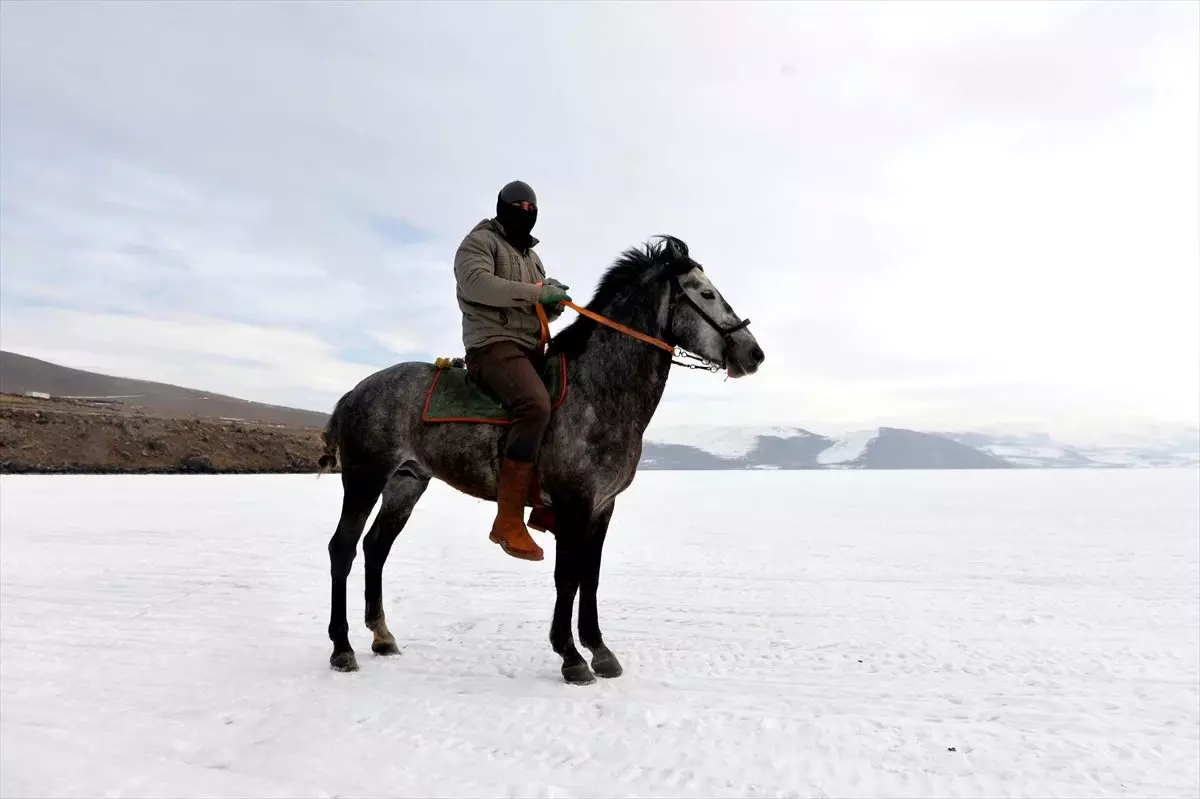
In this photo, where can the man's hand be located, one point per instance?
(553, 292)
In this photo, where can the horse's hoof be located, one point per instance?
(606, 665)
(385, 647)
(579, 674)
(343, 661)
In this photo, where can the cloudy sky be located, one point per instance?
(937, 214)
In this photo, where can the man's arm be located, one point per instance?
(553, 310)
(475, 272)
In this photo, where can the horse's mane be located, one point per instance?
(633, 268)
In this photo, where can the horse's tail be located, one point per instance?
(329, 437)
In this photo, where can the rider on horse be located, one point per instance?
(501, 281)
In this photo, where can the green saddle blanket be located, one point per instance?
(455, 397)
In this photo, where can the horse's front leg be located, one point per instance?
(604, 662)
(569, 538)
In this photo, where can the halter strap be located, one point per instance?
(604, 320)
(675, 352)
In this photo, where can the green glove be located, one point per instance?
(553, 292)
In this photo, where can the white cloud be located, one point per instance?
(930, 210)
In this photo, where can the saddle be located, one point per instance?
(454, 396)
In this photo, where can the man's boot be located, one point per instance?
(509, 529)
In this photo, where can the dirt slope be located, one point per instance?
(59, 436)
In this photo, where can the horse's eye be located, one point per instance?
(708, 295)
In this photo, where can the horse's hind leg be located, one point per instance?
(360, 490)
(604, 662)
(400, 496)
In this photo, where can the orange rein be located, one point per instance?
(541, 312)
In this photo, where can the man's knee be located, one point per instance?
(533, 408)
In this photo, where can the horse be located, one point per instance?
(655, 294)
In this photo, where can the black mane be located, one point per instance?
(634, 268)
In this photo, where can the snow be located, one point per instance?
(1093, 434)
(847, 447)
(1143, 457)
(821, 633)
(1031, 455)
(1132, 444)
(1145, 446)
(1026, 452)
(1126, 457)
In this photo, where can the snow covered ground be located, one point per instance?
(1023, 633)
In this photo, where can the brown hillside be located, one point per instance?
(20, 373)
(140, 426)
(61, 436)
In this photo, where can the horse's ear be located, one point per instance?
(674, 255)
(676, 249)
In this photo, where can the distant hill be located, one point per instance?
(895, 448)
(699, 447)
(728, 447)
(883, 448)
(1166, 447)
(20, 373)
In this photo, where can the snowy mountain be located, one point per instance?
(721, 447)
(1158, 448)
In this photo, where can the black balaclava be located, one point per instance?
(517, 222)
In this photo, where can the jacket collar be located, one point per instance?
(499, 229)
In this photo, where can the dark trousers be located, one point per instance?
(514, 375)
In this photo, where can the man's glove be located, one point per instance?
(553, 292)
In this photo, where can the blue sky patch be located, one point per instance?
(377, 356)
(398, 231)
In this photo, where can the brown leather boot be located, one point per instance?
(509, 529)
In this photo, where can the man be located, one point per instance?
(498, 273)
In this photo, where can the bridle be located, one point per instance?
(679, 356)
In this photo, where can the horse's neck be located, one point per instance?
(624, 378)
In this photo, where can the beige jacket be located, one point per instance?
(497, 289)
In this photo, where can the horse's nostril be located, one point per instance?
(758, 355)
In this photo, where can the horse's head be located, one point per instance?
(660, 290)
(699, 319)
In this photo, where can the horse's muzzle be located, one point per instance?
(743, 358)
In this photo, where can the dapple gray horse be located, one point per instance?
(591, 450)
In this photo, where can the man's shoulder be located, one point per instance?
(485, 230)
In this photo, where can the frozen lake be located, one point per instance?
(1027, 633)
